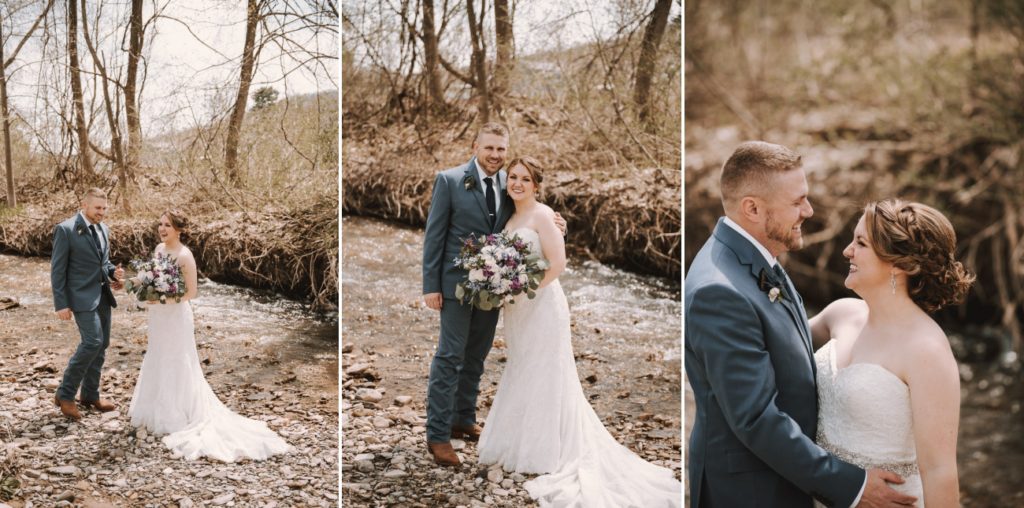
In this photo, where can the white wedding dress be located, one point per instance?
(541, 422)
(172, 397)
(864, 418)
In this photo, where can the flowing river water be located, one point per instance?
(278, 335)
(626, 328)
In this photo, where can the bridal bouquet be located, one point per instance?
(157, 280)
(500, 267)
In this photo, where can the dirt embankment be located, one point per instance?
(630, 218)
(291, 252)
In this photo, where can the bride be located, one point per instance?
(540, 421)
(171, 395)
(888, 385)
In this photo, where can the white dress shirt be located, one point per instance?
(99, 230)
(495, 182)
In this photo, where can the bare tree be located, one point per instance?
(135, 35)
(479, 66)
(116, 154)
(242, 98)
(503, 41)
(81, 128)
(648, 57)
(431, 56)
(12, 201)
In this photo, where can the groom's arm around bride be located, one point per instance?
(748, 354)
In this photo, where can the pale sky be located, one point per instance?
(537, 25)
(186, 80)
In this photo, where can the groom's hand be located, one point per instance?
(64, 314)
(878, 493)
(560, 222)
(119, 273)
(433, 300)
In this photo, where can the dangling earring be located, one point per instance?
(892, 282)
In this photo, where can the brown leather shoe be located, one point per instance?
(68, 408)
(469, 433)
(102, 405)
(443, 454)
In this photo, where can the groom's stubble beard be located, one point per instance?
(780, 233)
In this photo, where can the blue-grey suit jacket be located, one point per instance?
(750, 364)
(456, 212)
(78, 273)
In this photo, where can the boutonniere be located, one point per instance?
(80, 230)
(469, 182)
(768, 284)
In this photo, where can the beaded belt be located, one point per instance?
(903, 469)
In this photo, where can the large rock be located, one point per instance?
(369, 395)
(65, 470)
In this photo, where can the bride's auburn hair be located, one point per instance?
(533, 167)
(178, 221)
(919, 240)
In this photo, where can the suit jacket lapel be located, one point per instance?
(477, 191)
(793, 305)
(507, 207)
(80, 223)
(749, 255)
(106, 239)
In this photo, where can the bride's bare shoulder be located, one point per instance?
(186, 255)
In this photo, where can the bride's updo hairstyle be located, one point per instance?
(178, 221)
(919, 240)
(533, 167)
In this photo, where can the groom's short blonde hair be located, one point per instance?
(94, 192)
(750, 168)
(491, 128)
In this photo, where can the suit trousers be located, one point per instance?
(466, 337)
(86, 363)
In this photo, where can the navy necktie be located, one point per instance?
(96, 238)
(491, 205)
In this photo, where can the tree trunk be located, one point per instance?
(974, 29)
(479, 63)
(12, 201)
(116, 144)
(504, 43)
(648, 57)
(242, 99)
(431, 57)
(81, 128)
(130, 104)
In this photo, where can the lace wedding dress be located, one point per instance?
(172, 397)
(541, 422)
(864, 418)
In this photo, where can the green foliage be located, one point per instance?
(264, 97)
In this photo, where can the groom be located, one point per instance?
(749, 358)
(467, 200)
(82, 276)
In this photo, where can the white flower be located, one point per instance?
(504, 286)
(773, 294)
(523, 278)
(476, 275)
